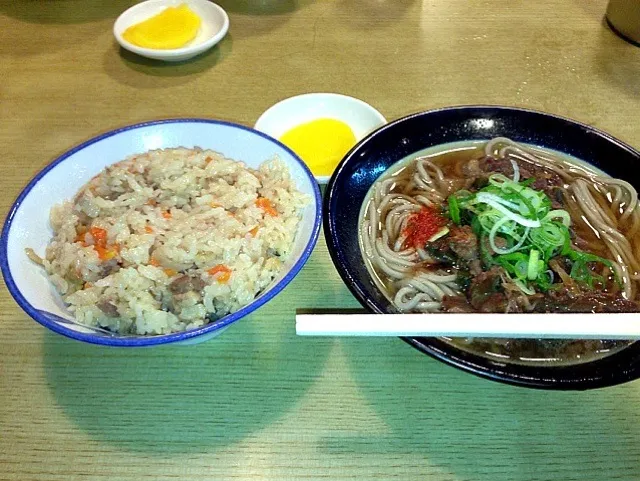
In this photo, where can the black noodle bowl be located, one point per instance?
(533, 363)
(414, 281)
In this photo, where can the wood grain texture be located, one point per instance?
(259, 403)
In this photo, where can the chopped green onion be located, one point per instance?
(525, 207)
(454, 209)
(580, 270)
(492, 238)
(545, 280)
(533, 269)
(527, 182)
(485, 255)
(533, 234)
(520, 269)
(559, 214)
(549, 238)
(524, 287)
(586, 257)
(487, 199)
(498, 180)
(516, 170)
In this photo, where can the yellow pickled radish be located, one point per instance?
(321, 143)
(174, 27)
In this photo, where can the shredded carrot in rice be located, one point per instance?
(266, 206)
(104, 253)
(224, 277)
(221, 273)
(99, 236)
(218, 268)
(118, 237)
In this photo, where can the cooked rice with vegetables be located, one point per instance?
(171, 240)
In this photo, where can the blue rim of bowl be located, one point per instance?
(163, 338)
(451, 355)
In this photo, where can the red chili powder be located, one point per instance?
(422, 226)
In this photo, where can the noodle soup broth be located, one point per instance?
(503, 227)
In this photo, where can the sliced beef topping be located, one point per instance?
(471, 169)
(458, 304)
(545, 179)
(496, 302)
(500, 243)
(460, 243)
(184, 284)
(486, 293)
(557, 197)
(464, 243)
(564, 300)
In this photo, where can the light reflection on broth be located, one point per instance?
(601, 220)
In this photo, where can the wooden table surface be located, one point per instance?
(259, 403)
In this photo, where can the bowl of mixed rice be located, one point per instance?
(160, 232)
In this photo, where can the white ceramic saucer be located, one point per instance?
(286, 114)
(214, 26)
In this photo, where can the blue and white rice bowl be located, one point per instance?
(28, 222)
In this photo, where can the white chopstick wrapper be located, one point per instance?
(534, 326)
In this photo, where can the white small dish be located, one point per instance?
(288, 113)
(214, 26)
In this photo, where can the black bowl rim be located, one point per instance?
(453, 356)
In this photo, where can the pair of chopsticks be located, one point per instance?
(532, 326)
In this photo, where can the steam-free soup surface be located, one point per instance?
(503, 227)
